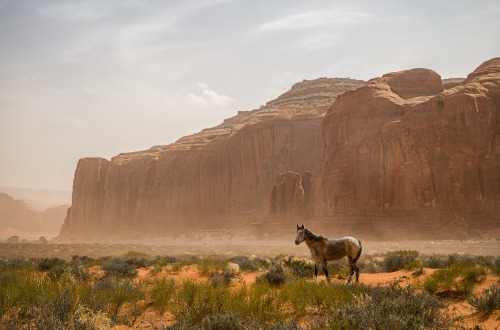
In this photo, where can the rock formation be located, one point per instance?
(400, 145)
(218, 177)
(16, 214)
(52, 219)
(290, 197)
(399, 154)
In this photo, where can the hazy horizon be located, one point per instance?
(95, 79)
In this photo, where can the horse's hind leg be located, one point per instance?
(356, 268)
(352, 269)
(351, 274)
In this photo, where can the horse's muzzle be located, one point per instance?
(297, 242)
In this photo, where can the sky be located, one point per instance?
(95, 78)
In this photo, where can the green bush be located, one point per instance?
(208, 266)
(275, 276)
(395, 262)
(412, 253)
(298, 267)
(368, 264)
(305, 295)
(391, 307)
(195, 301)
(119, 268)
(9, 264)
(447, 278)
(47, 264)
(161, 293)
(111, 294)
(488, 302)
(249, 264)
(136, 255)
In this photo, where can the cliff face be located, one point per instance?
(215, 178)
(400, 144)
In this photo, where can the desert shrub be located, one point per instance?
(394, 262)
(305, 295)
(369, 264)
(179, 264)
(229, 321)
(195, 301)
(391, 307)
(155, 270)
(259, 301)
(249, 263)
(488, 302)
(136, 255)
(412, 253)
(447, 278)
(298, 267)
(161, 293)
(16, 264)
(437, 261)
(208, 266)
(274, 276)
(164, 261)
(12, 239)
(48, 263)
(119, 268)
(111, 294)
(223, 277)
(85, 318)
(84, 261)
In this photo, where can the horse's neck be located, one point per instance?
(314, 242)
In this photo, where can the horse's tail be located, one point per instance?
(359, 253)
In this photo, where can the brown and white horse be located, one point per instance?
(324, 249)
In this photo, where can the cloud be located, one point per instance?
(314, 19)
(75, 11)
(205, 97)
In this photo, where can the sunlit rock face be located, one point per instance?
(399, 144)
(217, 178)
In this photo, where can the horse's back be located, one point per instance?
(351, 240)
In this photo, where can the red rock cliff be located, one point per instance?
(216, 177)
(399, 144)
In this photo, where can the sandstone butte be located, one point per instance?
(397, 155)
(218, 178)
(401, 157)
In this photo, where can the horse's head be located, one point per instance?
(300, 235)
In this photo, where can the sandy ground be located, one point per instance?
(229, 248)
(457, 307)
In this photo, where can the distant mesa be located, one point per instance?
(403, 153)
(18, 215)
(19, 218)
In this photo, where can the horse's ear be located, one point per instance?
(302, 227)
(298, 227)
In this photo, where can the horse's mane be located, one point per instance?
(312, 236)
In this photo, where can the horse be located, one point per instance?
(324, 249)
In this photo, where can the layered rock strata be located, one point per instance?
(212, 179)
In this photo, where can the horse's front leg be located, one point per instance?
(325, 269)
(316, 268)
